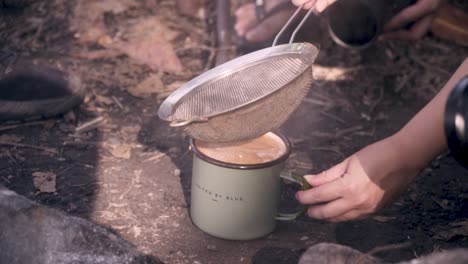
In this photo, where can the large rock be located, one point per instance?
(32, 233)
(338, 254)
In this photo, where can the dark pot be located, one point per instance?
(357, 23)
(456, 118)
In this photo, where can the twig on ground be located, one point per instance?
(404, 80)
(85, 184)
(9, 127)
(155, 158)
(117, 102)
(366, 133)
(81, 143)
(348, 130)
(379, 99)
(127, 191)
(432, 44)
(315, 102)
(296, 141)
(96, 54)
(64, 170)
(210, 60)
(20, 145)
(6, 180)
(11, 157)
(321, 135)
(89, 125)
(334, 117)
(427, 66)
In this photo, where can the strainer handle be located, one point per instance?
(291, 40)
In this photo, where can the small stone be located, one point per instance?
(211, 247)
(177, 172)
(366, 116)
(70, 117)
(304, 238)
(445, 202)
(65, 128)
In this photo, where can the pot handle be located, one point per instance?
(288, 175)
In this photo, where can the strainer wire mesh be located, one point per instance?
(239, 88)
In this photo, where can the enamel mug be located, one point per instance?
(239, 202)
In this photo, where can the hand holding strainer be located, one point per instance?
(245, 97)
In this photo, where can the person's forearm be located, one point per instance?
(423, 137)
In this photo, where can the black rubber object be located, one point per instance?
(456, 122)
(357, 23)
(38, 91)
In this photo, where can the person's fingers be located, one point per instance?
(412, 13)
(269, 27)
(245, 19)
(328, 175)
(299, 2)
(321, 5)
(323, 193)
(330, 210)
(308, 4)
(417, 31)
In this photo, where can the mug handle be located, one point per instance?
(288, 175)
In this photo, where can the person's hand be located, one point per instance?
(318, 5)
(420, 15)
(360, 185)
(377, 174)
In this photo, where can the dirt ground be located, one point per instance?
(131, 172)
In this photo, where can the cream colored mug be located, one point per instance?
(239, 201)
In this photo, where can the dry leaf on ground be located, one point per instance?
(150, 85)
(456, 229)
(104, 99)
(44, 181)
(324, 73)
(122, 151)
(148, 42)
(88, 17)
(136, 231)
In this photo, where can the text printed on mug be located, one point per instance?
(216, 196)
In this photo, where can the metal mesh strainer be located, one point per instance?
(246, 97)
